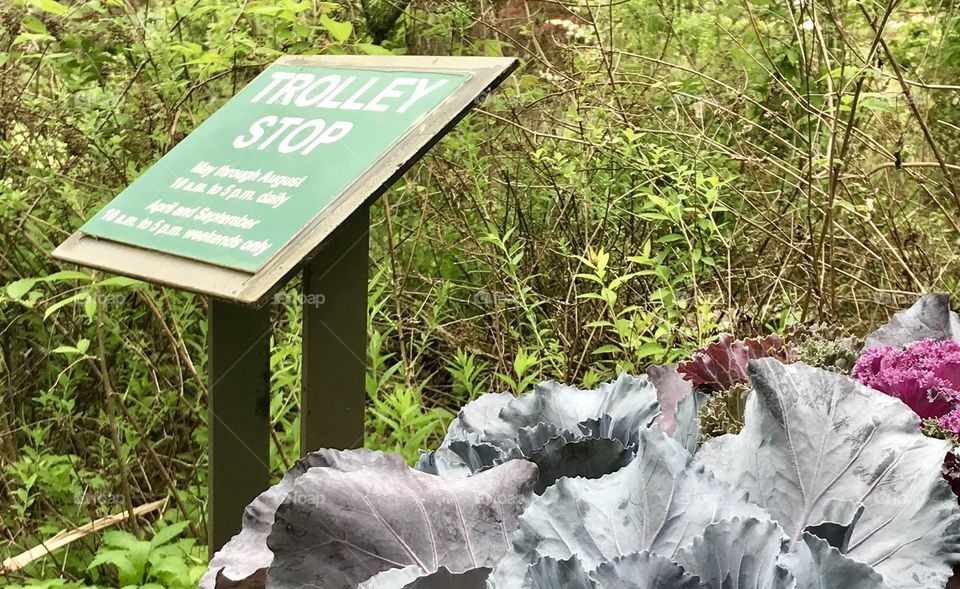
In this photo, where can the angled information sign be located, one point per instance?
(237, 206)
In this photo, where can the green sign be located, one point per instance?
(261, 168)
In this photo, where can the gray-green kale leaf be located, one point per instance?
(839, 519)
(564, 430)
(337, 529)
(243, 561)
(630, 402)
(738, 552)
(550, 573)
(659, 502)
(563, 456)
(466, 431)
(812, 438)
(475, 416)
(817, 565)
(413, 577)
(928, 318)
(643, 570)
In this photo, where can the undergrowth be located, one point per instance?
(653, 174)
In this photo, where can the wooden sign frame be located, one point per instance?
(256, 288)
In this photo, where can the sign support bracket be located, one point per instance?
(335, 339)
(239, 414)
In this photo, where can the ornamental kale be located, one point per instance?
(722, 365)
(825, 346)
(829, 485)
(925, 376)
(720, 369)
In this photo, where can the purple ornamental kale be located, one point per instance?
(925, 376)
(723, 364)
(951, 423)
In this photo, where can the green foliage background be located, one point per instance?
(655, 173)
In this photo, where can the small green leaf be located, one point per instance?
(371, 49)
(62, 303)
(340, 31)
(607, 349)
(492, 49)
(120, 281)
(67, 275)
(51, 6)
(90, 307)
(264, 10)
(649, 349)
(26, 37)
(117, 558)
(174, 567)
(80, 348)
(121, 539)
(168, 533)
(17, 290)
(34, 25)
(670, 238)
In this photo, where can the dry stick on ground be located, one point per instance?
(65, 537)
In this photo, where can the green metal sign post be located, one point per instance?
(276, 182)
